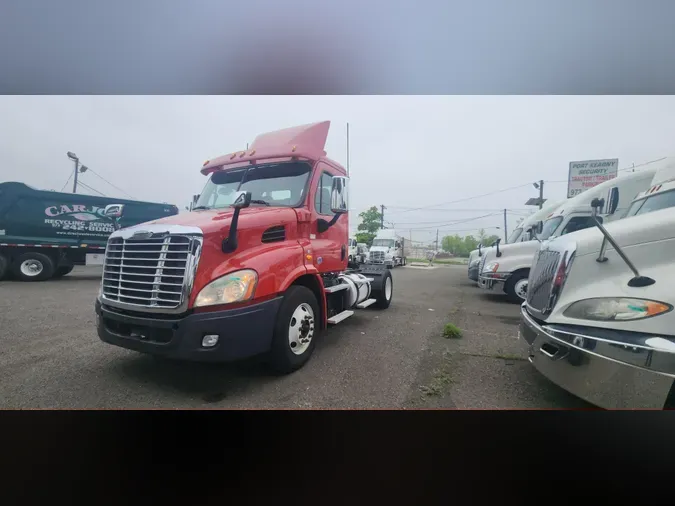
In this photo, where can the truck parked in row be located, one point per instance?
(522, 233)
(388, 249)
(44, 234)
(259, 267)
(598, 320)
(508, 266)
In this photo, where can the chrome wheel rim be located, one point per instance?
(301, 329)
(387, 288)
(31, 268)
(521, 289)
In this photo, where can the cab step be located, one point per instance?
(366, 303)
(333, 320)
(336, 288)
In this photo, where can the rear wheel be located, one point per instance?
(384, 293)
(295, 330)
(3, 266)
(63, 271)
(516, 287)
(33, 267)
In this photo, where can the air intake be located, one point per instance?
(274, 234)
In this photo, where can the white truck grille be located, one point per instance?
(377, 257)
(149, 272)
(541, 279)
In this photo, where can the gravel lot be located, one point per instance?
(51, 357)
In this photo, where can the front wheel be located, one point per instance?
(295, 330)
(516, 287)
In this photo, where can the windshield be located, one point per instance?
(384, 243)
(515, 235)
(653, 203)
(277, 185)
(550, 227)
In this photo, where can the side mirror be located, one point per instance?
(539, 227)
(613, 200)
(241, 200)
(597, 205)
(339, 201)
(113, 210)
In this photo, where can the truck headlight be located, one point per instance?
(615, 309)
(235, 287)
(492, 267)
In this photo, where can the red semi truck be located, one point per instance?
(259, 267)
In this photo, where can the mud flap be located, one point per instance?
(375, 271)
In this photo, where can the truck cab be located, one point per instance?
(524, 232)
(598, 320)
(387, 249)
(258, 267)
(508, 266)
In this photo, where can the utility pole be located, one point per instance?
(437, 240)
(382, 208)
(505, 237)
(541, 193)
(78, 168)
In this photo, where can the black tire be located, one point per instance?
(40, 260)
(63, 271)
(380, 294)
(3, 267)
(510, 287)
(282, 358)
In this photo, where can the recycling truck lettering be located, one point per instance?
(259, 267)
(44, 234)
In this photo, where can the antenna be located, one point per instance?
(347, 149)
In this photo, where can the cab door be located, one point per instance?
(330, 248)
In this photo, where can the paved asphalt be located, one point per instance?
(51, 357)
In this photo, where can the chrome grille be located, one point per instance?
(377, 256)
(541, 279)
(150, 272)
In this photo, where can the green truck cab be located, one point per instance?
(44, 234)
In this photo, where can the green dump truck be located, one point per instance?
(44, 234)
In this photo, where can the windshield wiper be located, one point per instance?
(196, 208)
(260, 202)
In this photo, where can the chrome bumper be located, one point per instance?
(608, 368)
(487, 283)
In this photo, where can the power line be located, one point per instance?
(104, 179)
(92, 189)
(450, 223)
(67, 180)
(468, 198)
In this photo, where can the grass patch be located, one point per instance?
(451, 331)
(435, 387)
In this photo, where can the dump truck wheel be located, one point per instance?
(3, 266)
(295, 330)
(384, 293)
(33, 267)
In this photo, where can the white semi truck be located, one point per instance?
(522, 233)
(508, 266)
(598, 320)
(388, 248)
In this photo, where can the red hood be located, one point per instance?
(215, 220)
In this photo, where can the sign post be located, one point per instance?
(589, 173)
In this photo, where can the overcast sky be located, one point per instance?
(406, 151)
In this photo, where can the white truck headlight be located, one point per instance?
(615, 309)
(235, 287)
(491, 267)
